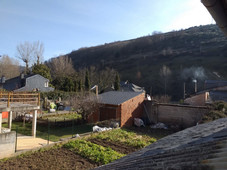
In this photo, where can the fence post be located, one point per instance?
(72, 127)
(8, 99)
(38, 99)
(48, 131)
(16, 139)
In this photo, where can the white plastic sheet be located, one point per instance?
(100, 129)
(159, 126)
(138, 122)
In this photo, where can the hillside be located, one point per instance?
(196, 53)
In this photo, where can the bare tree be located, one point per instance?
(165, 72)
(25, 52)
(38, 51)
(85, 104)
(103, 78)
(9, 67)
(61, 66)
(30, 53)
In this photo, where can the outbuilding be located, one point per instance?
(121, 106)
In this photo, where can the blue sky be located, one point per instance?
(64, 26)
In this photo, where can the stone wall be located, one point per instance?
(7, 144)
(170, 114)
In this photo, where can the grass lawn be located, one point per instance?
(55, 133)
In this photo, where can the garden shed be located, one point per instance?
(121, 106)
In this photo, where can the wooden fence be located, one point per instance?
(20, 97)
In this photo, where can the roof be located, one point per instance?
(17, 82)
(198, 147)
(209, 84)
(126, 86)
(117, 97)
(218, 95)
(218, 10)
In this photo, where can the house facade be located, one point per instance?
(215, 91)
(120, 106)
(24, 83)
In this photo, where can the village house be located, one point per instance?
(215, 90)
(127, 86)
(22, 83)
(121, 106)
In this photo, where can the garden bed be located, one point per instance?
(83, 153)
(119, 147)
(60, 158)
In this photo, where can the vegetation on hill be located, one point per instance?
(196, 53)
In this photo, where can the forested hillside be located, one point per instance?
(163, 62)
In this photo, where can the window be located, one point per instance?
(46, 84)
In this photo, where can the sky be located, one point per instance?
(65, 26)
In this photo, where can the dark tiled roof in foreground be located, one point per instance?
(199, 147)
(117, 97)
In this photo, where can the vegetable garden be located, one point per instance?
(83, 153)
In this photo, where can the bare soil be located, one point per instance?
(56, 159)
(119, 147)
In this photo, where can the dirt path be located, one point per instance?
(28, 142)
(51, 159)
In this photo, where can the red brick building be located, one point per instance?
(121, 106)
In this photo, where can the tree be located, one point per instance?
(80, 85)
(117, 82)
(38, 51)
(9, 67)
(61, 66)
(68, 84)
(85, 104)
(28, 52)
(42, 70)
(87, 83)
(165, 72)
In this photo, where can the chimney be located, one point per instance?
(3, 79)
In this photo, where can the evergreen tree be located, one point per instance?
(80, 88)
(68, 84)
(117, 82)
(42, 70)
(87, 81)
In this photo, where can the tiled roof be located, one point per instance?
(199, 147)
(218, 95)
(116, 97)
(209, 84)
(126, 86)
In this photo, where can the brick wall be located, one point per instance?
(108, 112)
(197, 100)
(94, 117)
(131, 109)
(7, 144)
